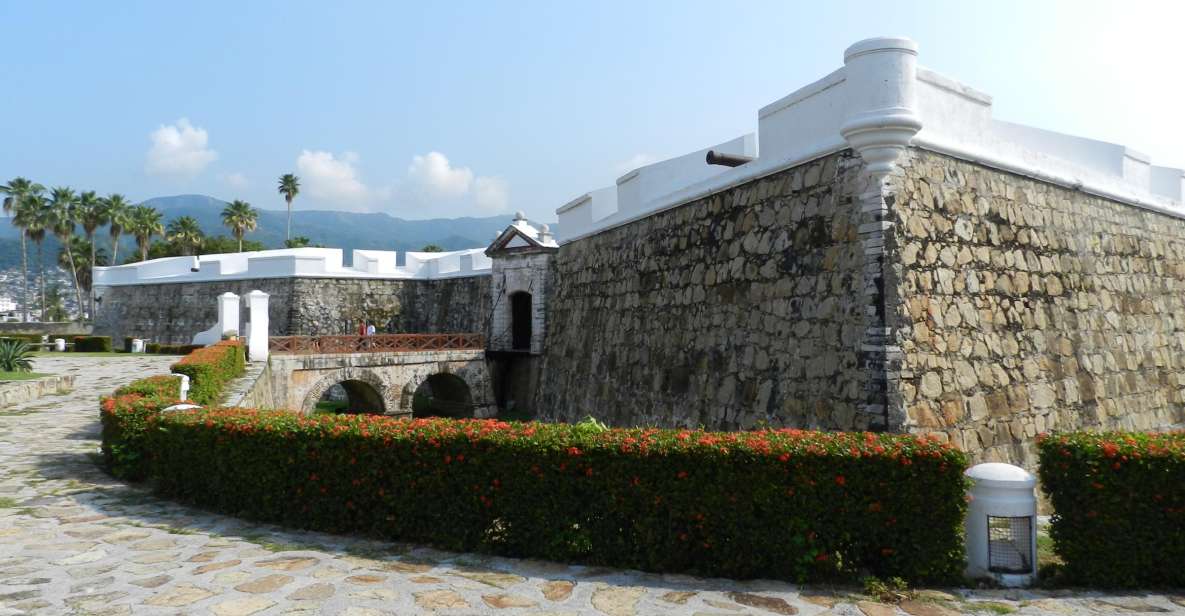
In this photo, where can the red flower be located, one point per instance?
(839, 480)
(682, 475)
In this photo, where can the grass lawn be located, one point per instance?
(20, 376)
(331, 407)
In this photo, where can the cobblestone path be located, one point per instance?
(74, 541)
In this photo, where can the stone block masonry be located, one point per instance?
(1024, 307)
(957, 300)
(741, 309)
(173, 313)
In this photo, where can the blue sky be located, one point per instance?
(473, 108)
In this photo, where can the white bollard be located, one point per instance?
(1001, 526)
(59, 345)
(257, 341)
(184, 387)
(137, 345)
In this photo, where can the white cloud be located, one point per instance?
(235, 180)
(433, 174)
(635, 161)
(491, 194)
(179, 149)
(332, 178)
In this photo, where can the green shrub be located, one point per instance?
(152, 347)
(127, 344)
(786, 504)
(15, 356)
(124, 418)
(1119, 506)
(31, 338)
(92, 344)
(177, 349)
(211, 368)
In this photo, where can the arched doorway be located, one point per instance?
(520, 321)
(351, 396)
(442, 395)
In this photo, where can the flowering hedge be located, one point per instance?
(211, 368)
(787, 504)
(124, 417)
(1119, 502)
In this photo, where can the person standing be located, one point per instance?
(370, 329)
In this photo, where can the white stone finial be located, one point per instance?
(882, 115)
(520, 215)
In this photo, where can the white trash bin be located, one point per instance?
(137, 345)
(1001, 526)
(59, 344)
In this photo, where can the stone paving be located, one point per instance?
(75, 541)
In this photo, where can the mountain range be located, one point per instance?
(346, 230)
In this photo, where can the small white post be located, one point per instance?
(59, 344)
(257, 342)
(184, 387)
(137, 345)
(228, 313)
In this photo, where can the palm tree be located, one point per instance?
(34, 215)
(146, 222)
(117, 209)
(240, 218)
(79, 249)
(289, 187)
(187, 233)
(63, 204)
(91, 213)
(18, 191)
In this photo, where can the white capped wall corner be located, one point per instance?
(878, 103)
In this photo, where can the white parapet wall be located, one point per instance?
(878, 103)
(297, 263)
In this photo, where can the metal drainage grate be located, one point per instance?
(1010, 542)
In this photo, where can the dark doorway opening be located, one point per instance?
(442, 395)
(351, 397)
(520, 321)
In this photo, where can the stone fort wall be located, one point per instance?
(1023, 307)
(1012, 307)
(173, 313)
(740, 309)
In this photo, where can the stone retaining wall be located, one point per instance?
(741, 309)
(13, 393)
(173, 313)
(1023, 307)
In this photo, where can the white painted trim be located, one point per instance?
(1088, 185)
(729, 179)
(833, 79)
(297, 263)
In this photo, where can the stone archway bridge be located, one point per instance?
(384, 370)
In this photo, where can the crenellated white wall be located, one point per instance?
(297, 262)
(638, 190)
(878, 103)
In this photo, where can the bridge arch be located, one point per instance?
(459, 391)
(365, 391)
